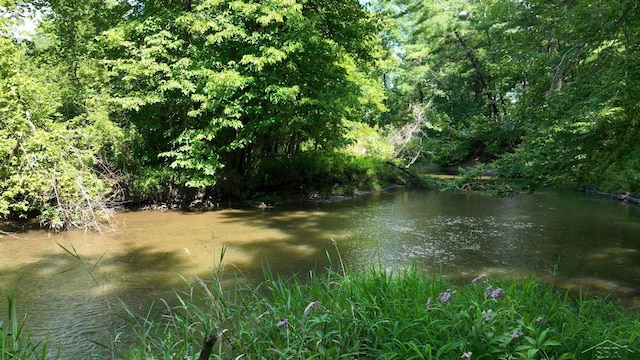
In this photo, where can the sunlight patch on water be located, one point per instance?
(620, 251)
(596, 286)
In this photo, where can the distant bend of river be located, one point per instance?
(566, 238)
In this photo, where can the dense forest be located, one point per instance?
(192, 101)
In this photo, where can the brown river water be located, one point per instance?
(566, 238)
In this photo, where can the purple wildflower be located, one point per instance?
(472, 308)
(480, 277)
(429, 302)
(488, 314)
(466, 355)
(283, 324)
(516, 335)
(494, 293)
(445, 297)
(540, 320)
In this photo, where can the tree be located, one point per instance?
(55, 129)
(167, 92)
(580, 95)
(222, 84)
(47, 163)
(450, 59)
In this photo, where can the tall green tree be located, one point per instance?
(221, 84)
(47, 162)
(580, 96)
(449, 55)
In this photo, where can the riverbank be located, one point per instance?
(263, 200)
(315, 197)
(314, 179)
(399, 314)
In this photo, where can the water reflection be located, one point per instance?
(566, 238)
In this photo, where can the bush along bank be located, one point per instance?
(318, 175)
(386, 315)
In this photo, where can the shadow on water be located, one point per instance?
(74, 301)
(301, 243)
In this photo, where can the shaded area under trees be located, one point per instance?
(546, 89)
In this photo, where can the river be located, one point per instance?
(566, 238)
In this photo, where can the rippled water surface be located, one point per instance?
(567, 238)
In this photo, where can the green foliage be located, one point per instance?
(623, 175)
(448, 61)
(548, 88)
(365, 140)
(146, 97)
(364, 164)
(13, 342)
(213, 87)
(581, 115)
(47, 165)
(377, 314)
(154, 97)
(325, 172)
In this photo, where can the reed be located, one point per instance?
(13, 343)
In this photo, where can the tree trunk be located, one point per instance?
(481, 79)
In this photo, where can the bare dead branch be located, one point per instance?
(402, 139)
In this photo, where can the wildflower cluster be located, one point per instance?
(493, 324)
(283, 324)
(444, 298)
(494, 293)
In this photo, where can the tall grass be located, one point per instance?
(13, 343)
(402, 314)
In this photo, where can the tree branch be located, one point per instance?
(27, 113)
